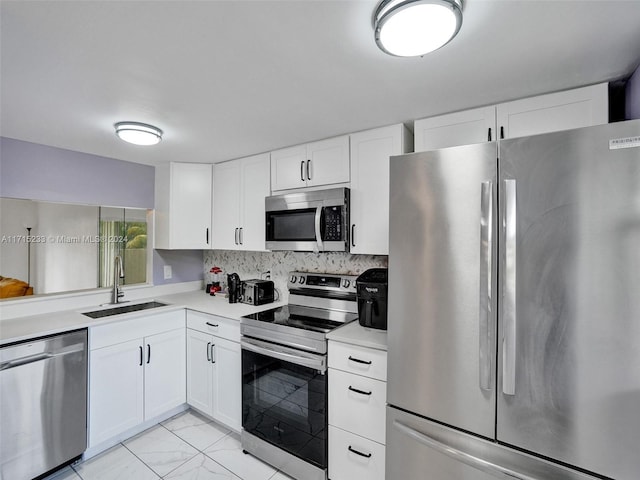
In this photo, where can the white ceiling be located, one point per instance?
(225, 79)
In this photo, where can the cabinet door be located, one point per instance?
(460, 128)
(199, 371)
(255, 187)
(370, 152)
(226, 205)
(190, 209)
(354, 457)
(581, 107)
(116, 390)
(328, 161)
(227, 388)
(288, 168)
(357, 404)
(165, 372)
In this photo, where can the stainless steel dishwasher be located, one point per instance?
(43, 404)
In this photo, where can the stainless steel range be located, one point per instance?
(284, 373)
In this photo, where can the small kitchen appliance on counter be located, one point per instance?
(234, 284)
(371, 289)
(284, 365)
(257, 292)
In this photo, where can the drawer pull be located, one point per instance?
(357, 360)
(212, 325)
(208, 351)
(365, 455)
(361, 392)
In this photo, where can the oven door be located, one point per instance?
(284, 399)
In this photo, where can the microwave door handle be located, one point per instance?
(318, 232)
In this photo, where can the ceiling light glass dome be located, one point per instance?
(138, 133)
(410, 28)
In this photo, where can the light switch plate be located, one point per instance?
(167, 272)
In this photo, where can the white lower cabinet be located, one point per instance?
(136, 372)
(214, 367)
(353, 457)
(357, 400)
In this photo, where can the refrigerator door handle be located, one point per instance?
(461, 456)
(509, 301)
(486, 259)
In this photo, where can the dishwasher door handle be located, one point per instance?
(38, 357)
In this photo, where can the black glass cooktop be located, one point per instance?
(307, 318)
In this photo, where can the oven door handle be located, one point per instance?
(258, 347)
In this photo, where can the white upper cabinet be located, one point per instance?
(370, 152)
(240, 187)
(580, 107)
(319, 163)
(184, 197)
(460, 128)
(226, 205)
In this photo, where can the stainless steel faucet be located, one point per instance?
(118, 273)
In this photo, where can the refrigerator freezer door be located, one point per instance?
(420, 449)
(570, 298)
(442, 264)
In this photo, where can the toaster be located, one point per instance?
(257, 292)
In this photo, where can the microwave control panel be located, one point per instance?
(332, 224)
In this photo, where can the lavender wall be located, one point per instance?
(633, 96)
(186, 266)
(50, 174)
(39, 172)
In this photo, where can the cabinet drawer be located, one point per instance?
(130, 329)
(218, 326)
(357, 404)
(361, 360)
(351, 456)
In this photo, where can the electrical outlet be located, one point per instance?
(167, 272)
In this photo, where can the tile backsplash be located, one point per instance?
(255, 264)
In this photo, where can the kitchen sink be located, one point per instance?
(124, 309)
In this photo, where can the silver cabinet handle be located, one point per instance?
(308, 169)
(486, 251)
(148, 353)
(240, 236)
(509, 317)
(213, 358)
(235, 237)
(208, 351)
(214, 325)
(459, 455)
(302, 170)
(317, 227)
(353, 231)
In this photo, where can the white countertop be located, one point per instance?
(24, 328)
(355, 334)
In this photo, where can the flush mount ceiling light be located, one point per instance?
(138, 133)
(411, 28)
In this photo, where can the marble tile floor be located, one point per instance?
(185, 447)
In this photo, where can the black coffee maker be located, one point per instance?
(235, 287)
(372, 288)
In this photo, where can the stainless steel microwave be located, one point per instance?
(314, 221)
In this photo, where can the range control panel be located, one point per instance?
(322, 281)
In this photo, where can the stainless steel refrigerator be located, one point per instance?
(514, 309)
